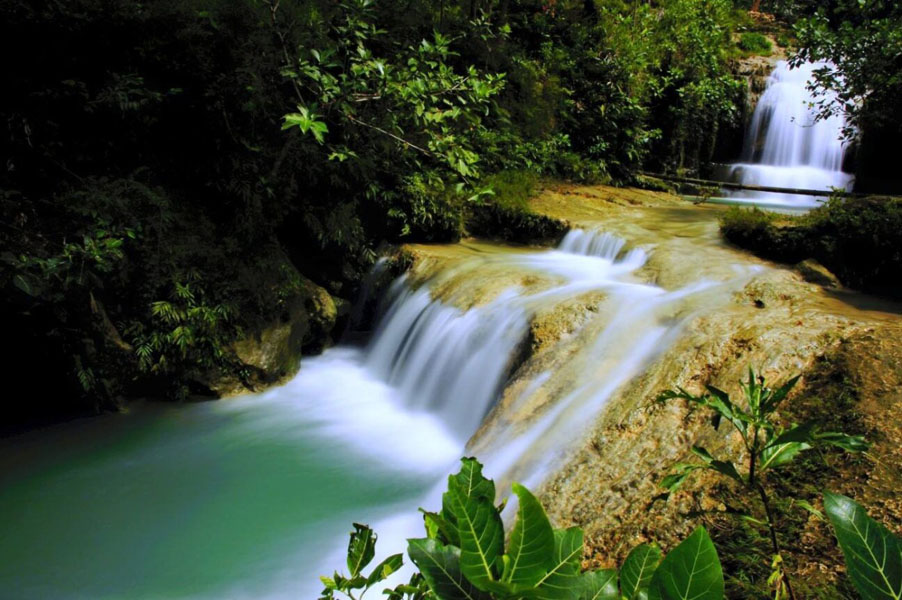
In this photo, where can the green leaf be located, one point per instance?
(873, 554)
(852, 443)
(722, 467)
(437, 528)
(690, 571)
(530, 553)
(777, 396)
(799, 433)
(441, 567)
(674, 480)
(469, 506)
(361, 548)
(599, 585)
(720, 402)
(21, 283)
(637, 570)
(385, 568)
(562, 580)
(775, 456)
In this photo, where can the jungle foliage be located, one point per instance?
(171, 167)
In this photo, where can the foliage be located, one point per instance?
(463, 556)
(873, 554)
(858, 239)
(755, 43)
(186, 336)
(768, 447)
(152, 141)
(503, 211)
(862, 41)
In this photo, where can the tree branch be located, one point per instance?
(408, 144)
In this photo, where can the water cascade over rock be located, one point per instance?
(785, 146)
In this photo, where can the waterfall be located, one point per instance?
(253, 497)
(785, 146)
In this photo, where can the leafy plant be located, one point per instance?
(768, 447)
(755, 43)
(464, 557)
(873, 554)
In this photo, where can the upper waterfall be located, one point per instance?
(786, 146)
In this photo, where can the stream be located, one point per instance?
(253, 497)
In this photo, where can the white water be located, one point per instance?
(254, 497)
(443, 363)
(786, 147)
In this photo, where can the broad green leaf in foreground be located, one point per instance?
(440, 566)
(468, 505)
(691, 571)
(873, 554)
(637, 569)
(530, 553)
(599, 585)
(563, 579)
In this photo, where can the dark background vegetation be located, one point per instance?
(173, 168)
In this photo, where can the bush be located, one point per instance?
(858, 239)
(755, 43)
(505, 213)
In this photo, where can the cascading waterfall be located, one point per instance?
(785, 146)
(245, 498)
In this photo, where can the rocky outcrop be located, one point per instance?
(604, 472)
(271, 350)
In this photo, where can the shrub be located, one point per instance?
(463, 556)
(755, 43)
(858, 239)
(503, 211)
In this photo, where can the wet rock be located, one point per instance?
(271, 352)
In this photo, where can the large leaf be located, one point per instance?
(690, 571)
(440, 566)
(562, 582)
(599, 585)
(637, 569)
(781, 454)
(468, 506)
(530, 552)
(873, 554)
(361, 548)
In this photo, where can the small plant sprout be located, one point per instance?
(768, 447)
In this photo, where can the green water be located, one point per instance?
(181, 501)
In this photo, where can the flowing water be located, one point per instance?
(786, 147)
(254, 496)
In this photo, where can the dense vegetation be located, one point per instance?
(858, 239)
(171, 167)
(180, 173)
